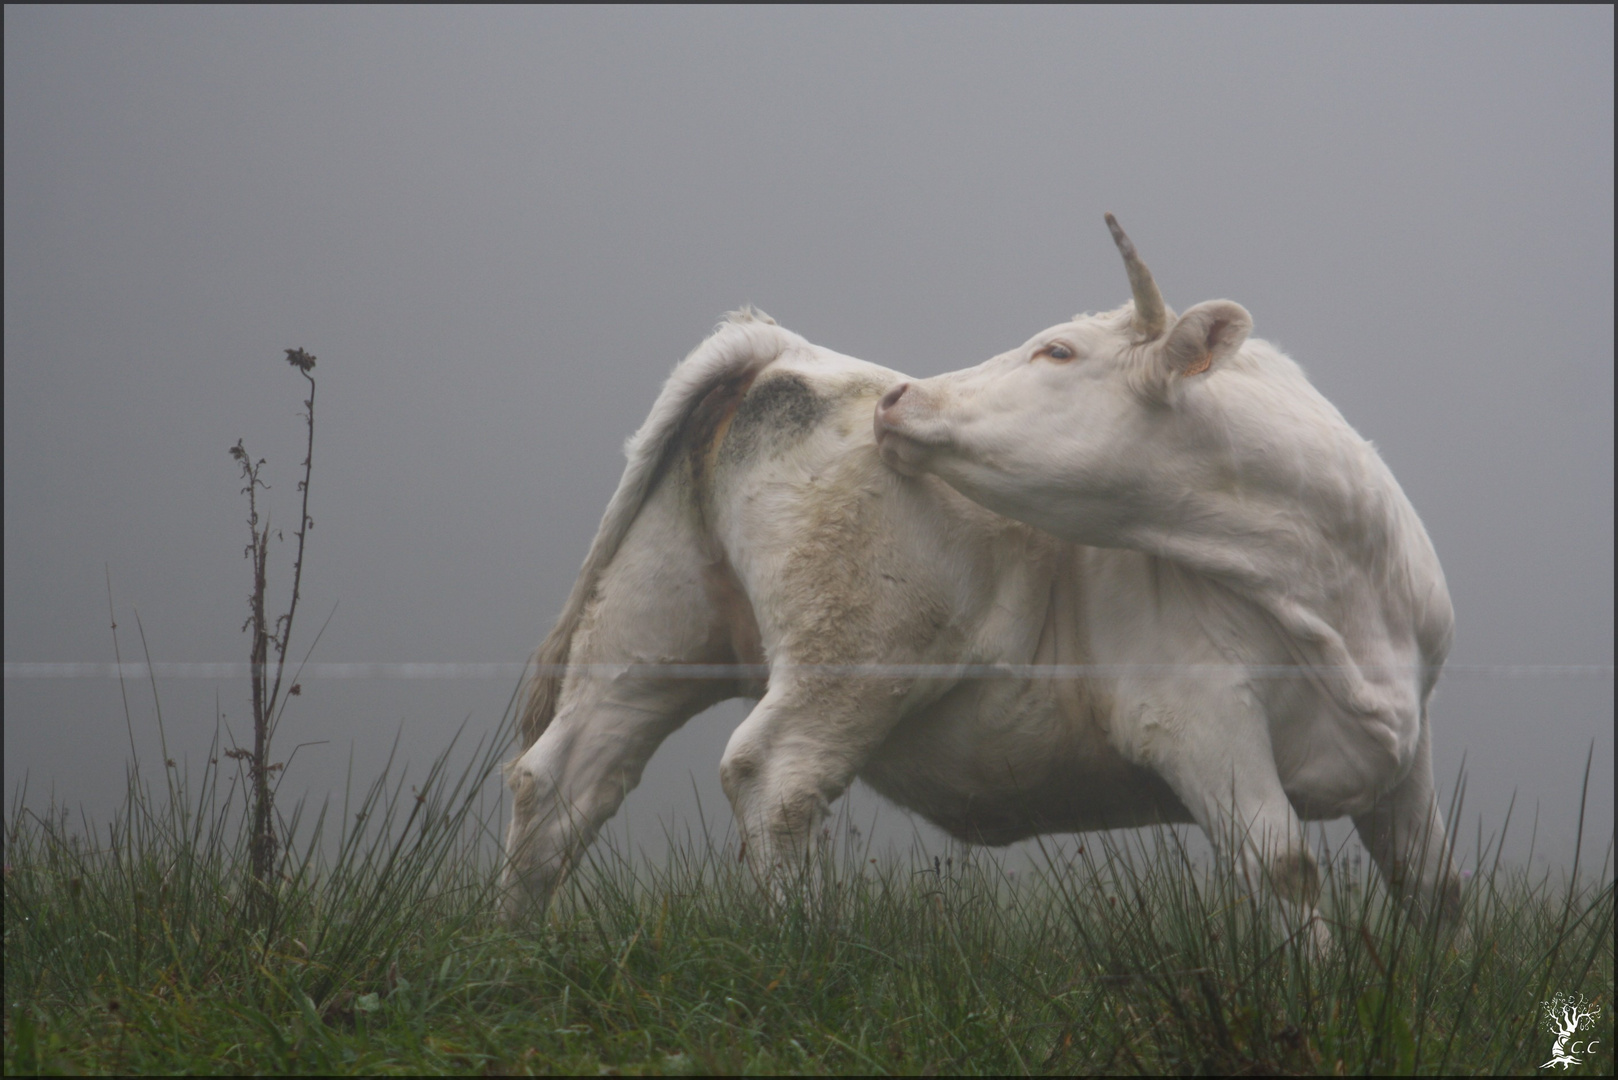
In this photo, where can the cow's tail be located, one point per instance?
(746, 342)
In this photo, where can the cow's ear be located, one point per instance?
(1204, 336)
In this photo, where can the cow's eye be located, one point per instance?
(1057, 351)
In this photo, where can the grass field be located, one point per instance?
(142, 945)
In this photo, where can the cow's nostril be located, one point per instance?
(891, 398)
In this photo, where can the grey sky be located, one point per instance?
(499, 229)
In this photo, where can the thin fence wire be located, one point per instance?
(236, 670)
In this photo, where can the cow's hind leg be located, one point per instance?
(655, 609)
(794, 755)
(575, 776)
(1404, 834)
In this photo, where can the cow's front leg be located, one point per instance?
(794, 755)
(1404, 834)
(1212, 746)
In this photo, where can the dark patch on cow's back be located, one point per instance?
(777, 412)
(705, 427)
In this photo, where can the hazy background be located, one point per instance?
(499, 229)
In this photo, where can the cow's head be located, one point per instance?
(1066, 430)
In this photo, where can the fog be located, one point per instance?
(499, 229)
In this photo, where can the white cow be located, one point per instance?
(1277, 610)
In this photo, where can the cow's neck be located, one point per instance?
(1325, 560)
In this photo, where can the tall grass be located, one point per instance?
(129, 948)
(156, 924)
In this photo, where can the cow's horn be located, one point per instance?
(1150, 311)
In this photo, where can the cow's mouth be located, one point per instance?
(897, 443)
(901, 454)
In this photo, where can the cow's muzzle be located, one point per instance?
(899, 451)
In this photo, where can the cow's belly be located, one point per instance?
(997, 761)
